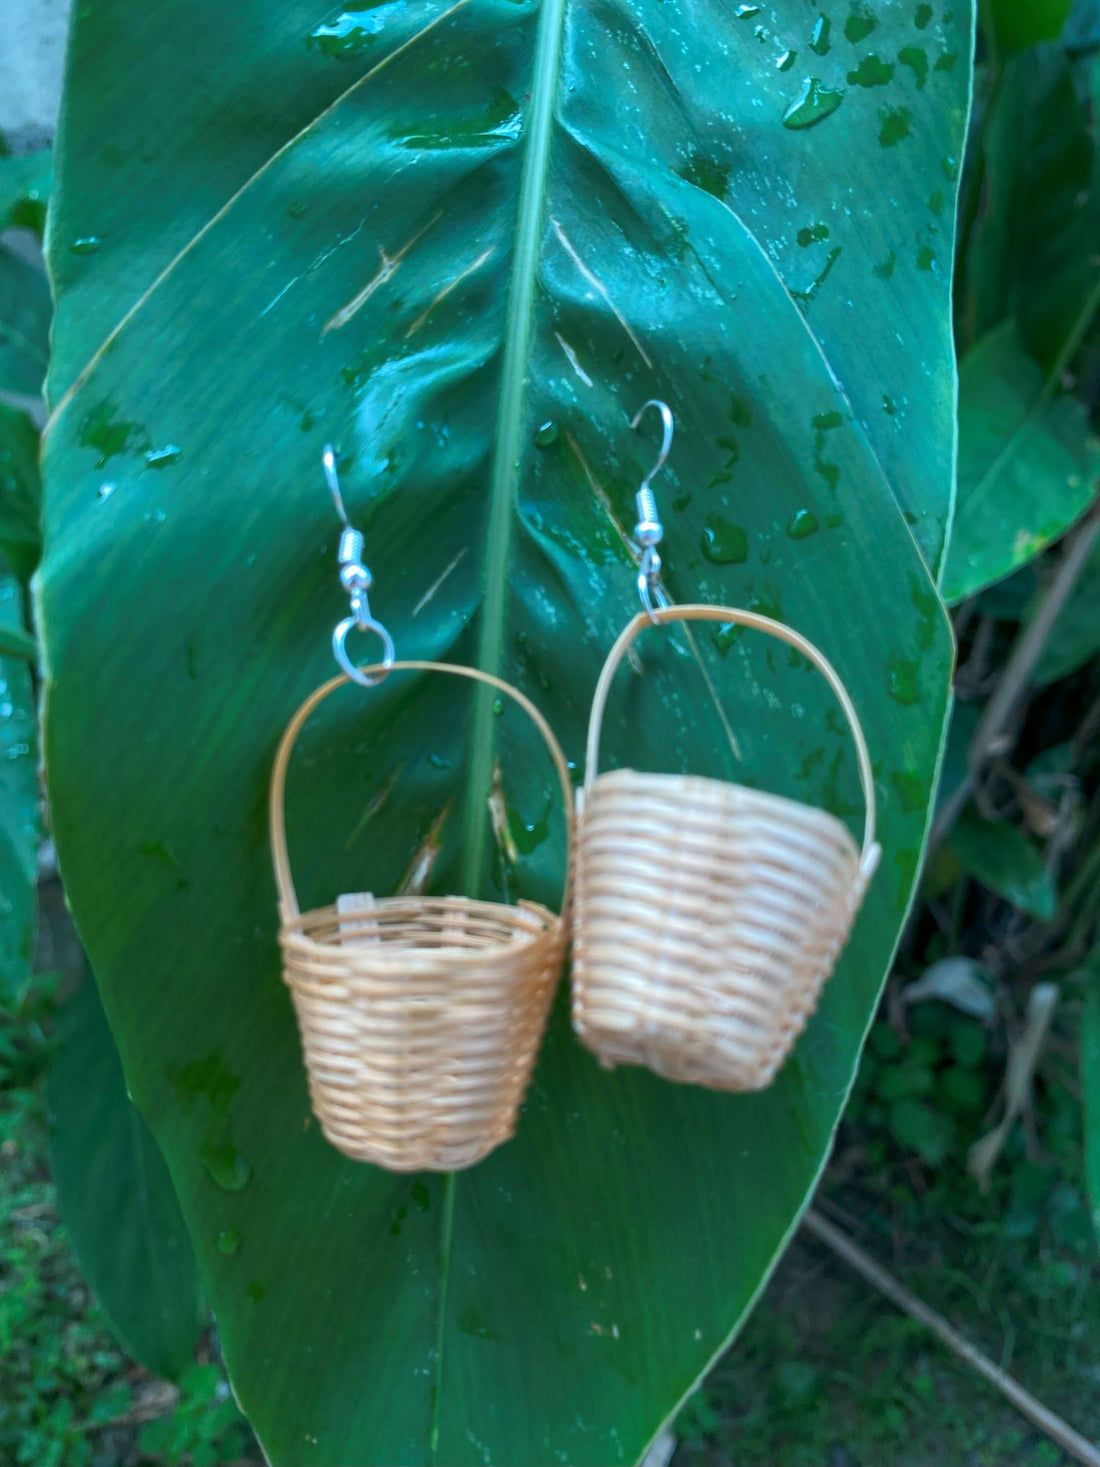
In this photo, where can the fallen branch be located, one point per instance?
(991, 736)
(1058, 1430)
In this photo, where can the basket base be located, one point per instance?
(705, 1071)
(441, 1158)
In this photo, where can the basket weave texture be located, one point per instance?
(420, 1017)
(707, 916)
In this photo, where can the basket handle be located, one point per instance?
(284, 881)
(759, 623)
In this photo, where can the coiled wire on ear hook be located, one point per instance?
(356, 580)
(649, 531)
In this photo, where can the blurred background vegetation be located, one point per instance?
(968, 1163)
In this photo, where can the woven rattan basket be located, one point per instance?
(420, 1017)
(707, 916)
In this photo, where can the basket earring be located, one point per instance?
(707, 916)
(420, 1017)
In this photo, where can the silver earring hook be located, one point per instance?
(649, 532)
(328, 460)
(356, 580)
(667, 424)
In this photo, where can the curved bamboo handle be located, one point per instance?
(284, 881)
(758, 623)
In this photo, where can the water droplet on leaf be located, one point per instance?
(813, 104)
(903, 684)
(706, 173)
(917, 61)
(724, 543)
(160, 458)
(860, 23)
(813, 234)
(819, 40)
(801, 524)
(421, 1196)
(353, 32)
(895, 126)
(228, 1241)
(226, 1166)
(872, 71)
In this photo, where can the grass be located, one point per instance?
(828, 1373)
(69, 1396)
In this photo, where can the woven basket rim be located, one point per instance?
(766, 798)
(393, 954)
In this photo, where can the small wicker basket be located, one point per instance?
(420, 1017)
(707, 916)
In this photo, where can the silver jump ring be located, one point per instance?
(340, 651)
(650, 592)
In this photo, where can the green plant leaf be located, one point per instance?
(15, 642)
(1031, 253)
(1075, 636)
(440, 238)
(1001, 857)
(116, 1196)
(20, 492)
(1028, 463)
(1020, 23)
(1090, 1084)
(1081, 34)
(24, 324)
(25, 181)
(19, 815)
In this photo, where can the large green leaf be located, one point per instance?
(24, 323)
(1018, 23)
(20, 491)
(19, 819)
(116, 1197)
(1028, 463)
(1075, 636)
(1090, 1083)
(24, 294)
(511, 225)
(25, 181)
(1031, 253)
(1000, 856)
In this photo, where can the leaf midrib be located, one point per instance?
(507, 454)
(508, 438)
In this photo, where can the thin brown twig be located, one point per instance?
(991, 732)
(1047, 1421)
(992, 727)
